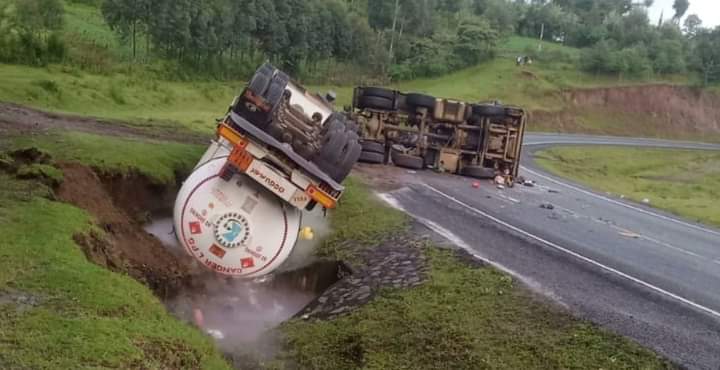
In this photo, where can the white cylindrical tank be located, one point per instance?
(235, 228)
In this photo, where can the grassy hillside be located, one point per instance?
(136, 93)
(60, 311)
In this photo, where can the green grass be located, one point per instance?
(462, 318)
(155, 159)
(135, 98)
(362, 219)
(81, 315)
(519, 45)
(686, 183)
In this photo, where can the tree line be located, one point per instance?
(30, 32)
(397, 39)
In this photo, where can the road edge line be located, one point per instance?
(613, 201)
(579, 256)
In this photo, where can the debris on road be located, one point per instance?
(553, 191)
(528, 183)
(547, 206)
(501, 187)
(476, 184)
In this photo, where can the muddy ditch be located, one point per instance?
(135, 236)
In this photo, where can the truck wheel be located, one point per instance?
(378, 92)
(266, 69)
(352, 126)
(407, 161)
(372, 157)
(478, 172)
(275, 93)
(333, 124)
(277, 88)
(259, 84)
(332, 145)
(420, 100)
(373, 147)
(514, 112)
(374, 102)
(488, 110)
(350, 157)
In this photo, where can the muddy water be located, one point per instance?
(239, 312)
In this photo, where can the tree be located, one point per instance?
(680, 7)
(39, 15)
(692, 25)
(125, 17)
(707, 54)
(476, 41)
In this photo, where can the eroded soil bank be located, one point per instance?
(648, 110)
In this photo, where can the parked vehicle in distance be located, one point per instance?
(417, 131)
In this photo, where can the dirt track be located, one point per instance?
(19, 120)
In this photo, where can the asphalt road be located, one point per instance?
(636, 270)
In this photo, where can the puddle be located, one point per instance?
(237, 312)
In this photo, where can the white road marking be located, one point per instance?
(579, 256)
(457, 241)
(627, 143)
(613, 201)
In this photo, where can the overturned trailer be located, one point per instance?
(481, 140)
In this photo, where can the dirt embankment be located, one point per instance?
(117, 203)
(649, 110)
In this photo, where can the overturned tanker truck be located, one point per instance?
(278, 151)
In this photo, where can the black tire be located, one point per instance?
(352, 126)
(332, 125)
(378, 92)
(275, 93)
(350, 157)
(407, 161)
(332, 145)
(488, 110)
(266, 69)
(373, 146)
(336, 121)
(514, 112)
(259, 84)
(478, 172)
(420, 100)
(374, 102)
(372, 157)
